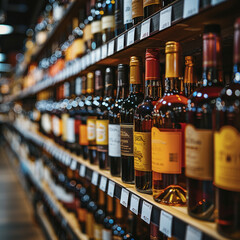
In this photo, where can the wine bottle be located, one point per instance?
(143, 123)
(119, 25)
(127, 14)
(127, 111)
(92, 208)
(137, 11)
(87, 34)
(114, 140)
(150, 7)
(199, 131)
(226, 150)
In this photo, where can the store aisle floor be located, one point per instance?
(16, 215)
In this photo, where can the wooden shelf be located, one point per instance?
(181, 219)
(185, 30)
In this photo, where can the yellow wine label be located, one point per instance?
(102, 132)
(83, 135)
(91, 128)
(150, 2)
(167, 151)
(227, 159)
(108, 22)
(65, 117)
(199, 153)
(142, 151)
(87, 34)
(137, 8)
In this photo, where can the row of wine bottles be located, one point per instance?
(183, 150)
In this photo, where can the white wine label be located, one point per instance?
(108, 22)
(165, 225)
(124, 197)
(71, 130)
(146, 212)
(46, 123)
(165, 18)
(199, 153)
(134, 204)
(190, 8)
(96, 27)
(56, 126)
(127, 11)
(91, 129)
(114, 140)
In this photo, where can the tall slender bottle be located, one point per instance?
(87, 34)
(102, 120)
(143, 123)
(226, 150)
(127, 14)
(127, 111)
(168, 135)
(150, 7)
(114, 139)
(199, 131)
(119, 25)
(137, 11)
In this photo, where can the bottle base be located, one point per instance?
(204, 216)
(148, 191)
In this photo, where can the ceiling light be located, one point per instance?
(5, 29)
(2, 57)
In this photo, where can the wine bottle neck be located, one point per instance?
(171, 85)
(122, 91)
(152, 89)
(135, 88)
(210, 76)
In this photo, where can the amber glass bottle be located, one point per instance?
(137, 11)
(129, 105)
(199, 131)
(227, 151)
(143, 124)
(168, 135)
(150, 7)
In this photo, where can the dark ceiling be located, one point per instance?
(21, 14)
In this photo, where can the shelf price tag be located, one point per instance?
(145, 29)
(111, 188)
(165, 18)
(104, 51)
(215, 2)
(190, 8)
(124, 197)
(131, 37)
(68, 160)
(103, 183)
(82, 171)
(88, 59)
(165, 224)
(98, 54)
(134, 204)
(120, 43)
(193, 234)
(93, 57)
(73, 165)
(111, 48)
(95, 178)
(146, 212)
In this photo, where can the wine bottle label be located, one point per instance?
(199, 153)
(89, 225)
(114, 140)
(108, 22)
(167, 148)
(46, 123)
(227, 159)
(91, 128)
(137, 8)
(56, 126)
(127, 11)
(66, 89)
(78, 86)
(82, 214)
(83, 135)
(142, 151)
(106, 234)
(87, 34)
(127, 140)
(78, 47)
(77, 124)
(70, 130)
(102, 132)
(150, 2)
(96, 27)
(97, 232)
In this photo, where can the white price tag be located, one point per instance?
(93, 57)
(73, 165)
(98, 54)
(68, 160)
(82, 171)
(104, 51)
(111, 188)
(145, 29)
(95, 178)
(193, 234)
(165, 224)
(146, 212)
(165, 18)
(124, 197)
(131, 37)
(190, 8)
(103, 183)
(215, 2)
(111, 48)
(134, 204)
(88, 60)
(120, 43)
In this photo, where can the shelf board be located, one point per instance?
(187, 31)
(181, 219)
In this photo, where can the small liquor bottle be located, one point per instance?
(137, 11)
(150, 7)
(127, 14)
(119, 25)
(168, 135)
(108, 220)
(227, 151)
(102, 120)
(114, 140)
(143, 124)
(189, 78)
(127, 111)
(199, 131)
(108, 20)
(92, 208)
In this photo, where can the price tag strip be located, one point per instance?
(95, 178)
(190, 8)
(131, 37)
(120, 43)
(82, 171)
(111, 188)
(111, 48)
(193, 233)
(165, 223)
(103, 183)
(134, 204)
(146, 212)
(124, 197)
(145, 29)
(165, 18)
